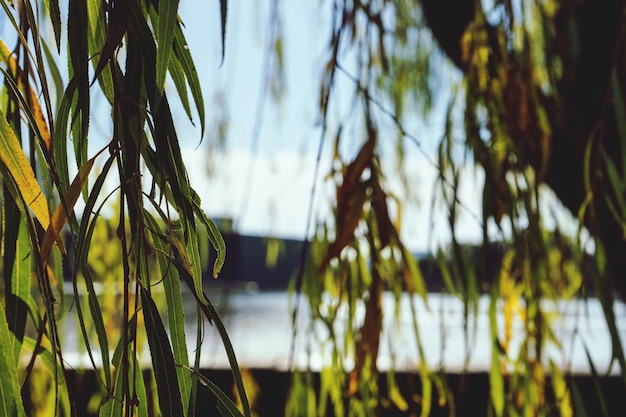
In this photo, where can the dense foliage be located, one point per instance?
(120, 51)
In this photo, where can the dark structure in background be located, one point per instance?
(246, 268)
(247, 261)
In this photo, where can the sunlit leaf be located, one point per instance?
(60, 215)
(496, 377)
(19, 297)
(29, 100)
(10, 397)
(561, 391)
(412, 274)
(15, 163)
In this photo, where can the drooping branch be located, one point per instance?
(586, 41)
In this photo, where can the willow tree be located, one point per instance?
(123, 51)
(539, 86)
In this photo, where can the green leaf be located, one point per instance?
(496, 379)
(10, 397)
(228, 407)
(54, 72)
(85, 234)
(46, 357)
(162, 359)
(79, 68)
(96, 33)
(19, 298)
(112, 407)
(211, 314)
(178, 76)
(168, 17)
(215, 237)
(413, 275)
(60, 135)
(183, 55)
(188, 251)
(175, 311)
(16, 164)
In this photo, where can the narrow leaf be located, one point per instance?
(175, 311)
(60, 216)
(168, 17)
(178, 76)
(162, 359)
(10, 397)
(96, 33)
(55, 17)
(229, 408)
(211, 314)
(54, 72)
(183, 55)
(215, 237)
(33, 109)
(20, 297)
(15, 162)
(79, 68)
(191, 259)
(224, 12)
(496, 379)
(85, 232)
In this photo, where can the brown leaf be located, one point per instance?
(379, 205)
(351, 196)
(369, 341)
(59, 218)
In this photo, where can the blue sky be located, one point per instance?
(283, 166)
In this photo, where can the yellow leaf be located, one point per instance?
(7, 57)
(59, 218)
(14, 160)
